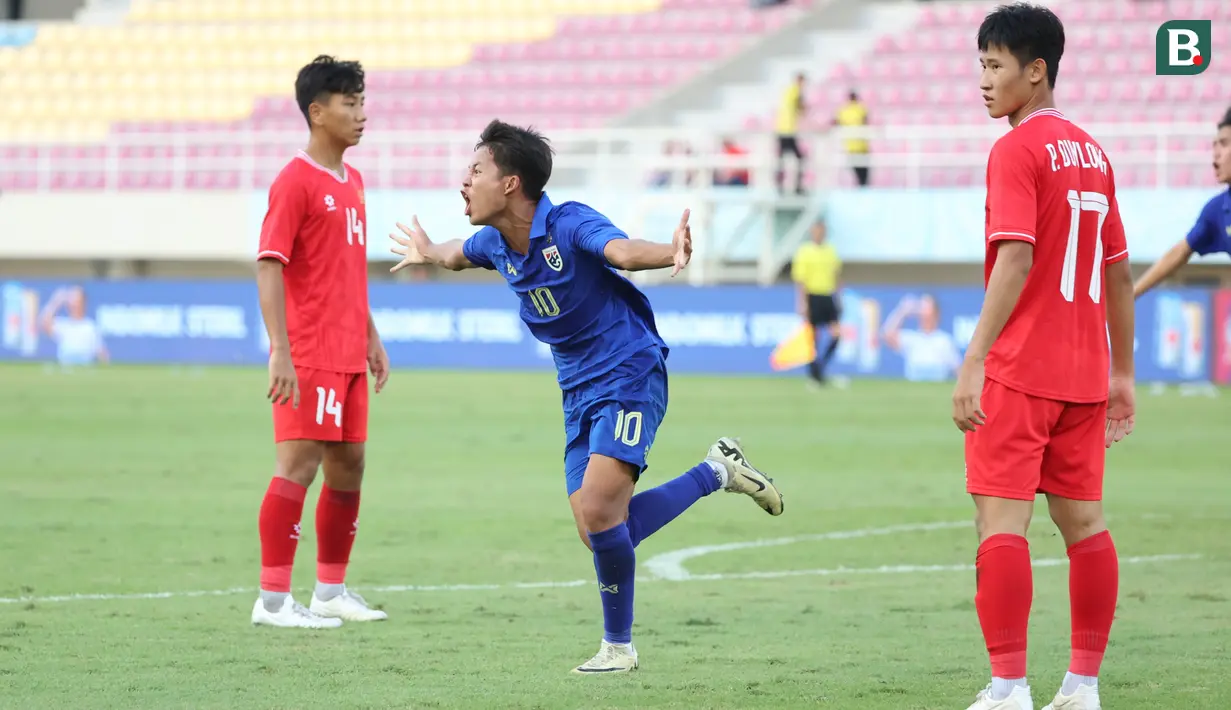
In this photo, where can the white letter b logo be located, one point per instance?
(1185, 41)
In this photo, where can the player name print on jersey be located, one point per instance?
(1071, 154)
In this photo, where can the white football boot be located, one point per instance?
(1019, 699)
(347, 606)
(291, 615)
(743, 478)
(1084, 698)
(611, 658)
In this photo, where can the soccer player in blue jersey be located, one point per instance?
(1212, 232)
(560, 261)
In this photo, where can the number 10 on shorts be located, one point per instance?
(327, 403)
(628, 428)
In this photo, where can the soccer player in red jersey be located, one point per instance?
(312, 278)
(1033, 394)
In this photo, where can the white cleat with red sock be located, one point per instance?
(1019, 699)
(347, 606)
(291, 615)
(1084, 697)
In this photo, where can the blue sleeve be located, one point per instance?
(477, 249)
(1203, 237)
(587, 229)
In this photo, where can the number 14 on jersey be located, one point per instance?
(354, 226)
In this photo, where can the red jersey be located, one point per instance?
(315, 226)
(1049, 183)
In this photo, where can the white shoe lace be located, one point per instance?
(302, 611)
(349, 595)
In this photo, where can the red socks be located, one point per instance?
(279, 525)
(1005, 590)
(337, 521)
(1094, 580)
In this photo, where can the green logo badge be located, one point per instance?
(1183, 47)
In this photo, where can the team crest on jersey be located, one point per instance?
(554, 260)
(330, 204)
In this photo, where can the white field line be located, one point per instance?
(665, 567)
(670, 565)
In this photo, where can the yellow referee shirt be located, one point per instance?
(816, 268)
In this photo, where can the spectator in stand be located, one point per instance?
(731, 176)
(790, 109)
(854, 114)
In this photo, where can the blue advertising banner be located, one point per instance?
(915, 333)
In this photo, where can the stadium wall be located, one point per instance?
(1183, 335)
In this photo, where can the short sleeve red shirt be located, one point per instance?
(315, 227)
(1050, 184)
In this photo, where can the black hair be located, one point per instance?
(324, 77)
(1028, 32)
(523, 152)
(1226, 120)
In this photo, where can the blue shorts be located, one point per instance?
(616, 415)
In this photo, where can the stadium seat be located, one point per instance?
(176, 67)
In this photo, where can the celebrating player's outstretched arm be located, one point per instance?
(641, 255)
(417, 248)
(625, 254)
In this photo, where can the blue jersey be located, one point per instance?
(571, 298)
(1212, 232)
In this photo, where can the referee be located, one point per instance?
(816, 268)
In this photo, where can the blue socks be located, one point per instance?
(616, 564)
(650, 510)
(614, 558)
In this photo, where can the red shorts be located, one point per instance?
(1031, 445)
(333, 406)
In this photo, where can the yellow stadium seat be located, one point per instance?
(211, 59)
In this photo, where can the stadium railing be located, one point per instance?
(600, 158)
(747, 233)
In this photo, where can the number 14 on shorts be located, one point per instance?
(327, 403)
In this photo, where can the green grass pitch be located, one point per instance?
(124, 481)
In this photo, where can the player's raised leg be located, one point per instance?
(742, 477)
(281, 510)
(601, 505)
(337, 511)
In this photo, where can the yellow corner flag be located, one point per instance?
(796, 350)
